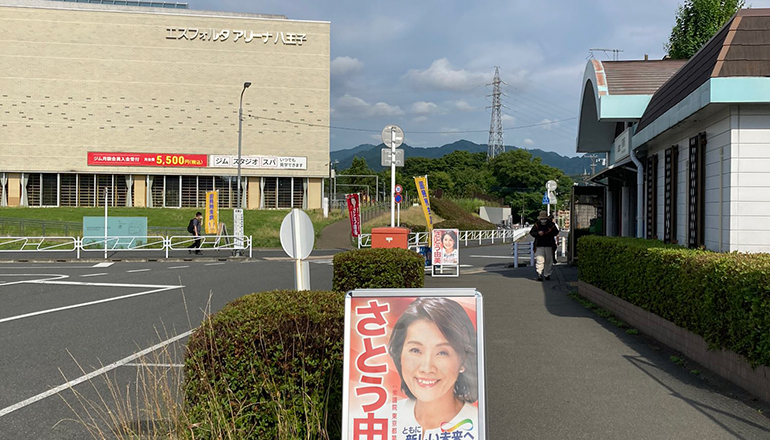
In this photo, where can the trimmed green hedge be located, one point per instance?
(268, 366)
(378, 269)
(725, 298)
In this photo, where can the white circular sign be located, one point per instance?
(550, 185)
(297, 234)
(399, 188)
(386, 135)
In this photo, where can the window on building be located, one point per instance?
(86, 189)
(173, 191)
(651, 175)
(190, 191)
(122, 192)
(696, 193)
(33, 189)
(298, 195)
(669, 205)
(205, 184)
(104, 186)
(68, 184)
(157, 191)
(222, 184)
(284, 192)
(49, 192)
(270, 192)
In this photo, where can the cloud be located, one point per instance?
(463, 106)
(420, 119)
(449, 131)
(424, 108)
(346, 66)
(507, 118)
(549, 124)
(442, 76)
(354, 106)
(529, 142)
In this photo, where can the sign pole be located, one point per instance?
(392, 176)
(301, 268)
(105, 223)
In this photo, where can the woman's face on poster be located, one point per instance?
(429, 364)
(448, 242)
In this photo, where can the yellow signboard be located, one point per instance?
(422, 194)
(212, 212)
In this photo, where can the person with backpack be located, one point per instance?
(195, 228)
(545, 233)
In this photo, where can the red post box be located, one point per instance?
(390, 238)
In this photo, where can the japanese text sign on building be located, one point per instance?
(147, 160)
(414, 356)
(263, 162)
(246, 37)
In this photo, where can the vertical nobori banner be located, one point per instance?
(422, 192)
(414, 365)
(212, 212)
(354, 211)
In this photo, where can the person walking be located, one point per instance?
(545, 233)
(195, 228)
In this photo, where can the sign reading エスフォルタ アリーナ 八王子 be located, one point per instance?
(245, 36)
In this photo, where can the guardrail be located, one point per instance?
(417, 239)
(150, 243)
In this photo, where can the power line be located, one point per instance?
(310, 124)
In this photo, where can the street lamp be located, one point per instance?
(240, 129)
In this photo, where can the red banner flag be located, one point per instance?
(354, 210)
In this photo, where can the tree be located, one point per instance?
(364, 185)
(696, 22)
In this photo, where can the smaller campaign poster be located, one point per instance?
(446, 247)
(414, 365)
(354, 211)
(212, 212)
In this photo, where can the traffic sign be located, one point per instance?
(387, 136)
(386, 154)
(399, 197)
(297, 234)
(399, 188)
(546, 200)
(551, 185)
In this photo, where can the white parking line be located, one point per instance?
(10, 283)
(138, 270)
(103, 264)
(507, 257)
(154, 365)
(85, 304)
(179, 267)
(213, 264)
(89, 376)
(93, 275)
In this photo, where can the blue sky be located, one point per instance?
(424, 64)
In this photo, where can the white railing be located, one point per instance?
(124, 243)
(417, 239)
(38, 244)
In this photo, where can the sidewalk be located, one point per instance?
(556, 370)
(335, 236)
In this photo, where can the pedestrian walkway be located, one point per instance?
(556, 370)
(335, 236)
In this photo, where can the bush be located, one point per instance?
(725, 298)
(456, 217)
(268, 366)
(378, 269)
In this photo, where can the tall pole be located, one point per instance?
(105, 223)
(392, 177)
(240, 129)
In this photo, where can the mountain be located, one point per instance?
(371, 153)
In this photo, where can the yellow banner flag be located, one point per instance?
(422, 194)
(212, 212)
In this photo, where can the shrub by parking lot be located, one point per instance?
(378, 268)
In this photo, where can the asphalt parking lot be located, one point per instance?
(71, 324)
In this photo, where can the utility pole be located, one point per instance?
(495, 145)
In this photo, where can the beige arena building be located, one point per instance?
(139, 101)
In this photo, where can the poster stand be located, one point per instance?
(443, 266)
(454, 272)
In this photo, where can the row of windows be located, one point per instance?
(50, 189)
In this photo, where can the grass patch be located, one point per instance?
(263, 225)
(410, 216)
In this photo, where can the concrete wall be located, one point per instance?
(79, 78)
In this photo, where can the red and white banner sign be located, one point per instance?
(414, 365)
(147, 160)
(354, 210)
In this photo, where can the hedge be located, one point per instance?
(725, 298)
(267, 366)
(378, 268)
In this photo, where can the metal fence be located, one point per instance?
(154, 243)
(418, 239)
(23, 227)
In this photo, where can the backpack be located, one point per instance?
(191, 226)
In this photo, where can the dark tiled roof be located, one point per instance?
(740, 48)
(638, 77)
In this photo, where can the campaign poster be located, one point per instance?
(445, 247)
(414, 365)
(354, 212)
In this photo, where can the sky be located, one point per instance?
(425, 65)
